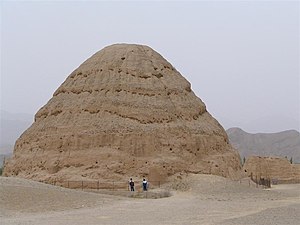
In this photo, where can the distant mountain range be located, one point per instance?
(12, 125)
(283, 144)
(264, 124)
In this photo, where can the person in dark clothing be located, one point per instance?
(145, 185)
(131, 184)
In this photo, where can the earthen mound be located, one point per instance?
(274, 168)
(124, 112)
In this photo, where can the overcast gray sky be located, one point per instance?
(241, 57)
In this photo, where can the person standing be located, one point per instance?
(145, 185)
(131, 184)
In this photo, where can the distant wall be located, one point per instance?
(274, 168)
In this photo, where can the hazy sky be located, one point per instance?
(241, 57)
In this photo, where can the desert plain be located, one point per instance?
(196, 199)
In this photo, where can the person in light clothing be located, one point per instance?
(145, 185)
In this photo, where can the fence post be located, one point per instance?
(158, 184)
(68, 184)
(113, 185)
(256, 181)
(98, 185)
(82, 185)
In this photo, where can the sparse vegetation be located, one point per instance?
(1, 169)
(151, 194)
(165, 194)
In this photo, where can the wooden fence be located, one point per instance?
(102, 185)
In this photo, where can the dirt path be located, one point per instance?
(208, 200)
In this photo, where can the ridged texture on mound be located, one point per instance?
(125, 111)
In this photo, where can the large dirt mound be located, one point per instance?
(124, 112)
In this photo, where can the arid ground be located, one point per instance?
(202, 199)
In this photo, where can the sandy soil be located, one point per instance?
(205, 200)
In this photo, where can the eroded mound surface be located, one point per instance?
(124, 112)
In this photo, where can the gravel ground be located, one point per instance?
(207, 200)
(276, 216)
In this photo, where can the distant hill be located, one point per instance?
(12, 125)
(283, 144)
(263, 124)
(4, 157)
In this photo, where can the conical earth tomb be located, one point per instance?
(126, 111)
